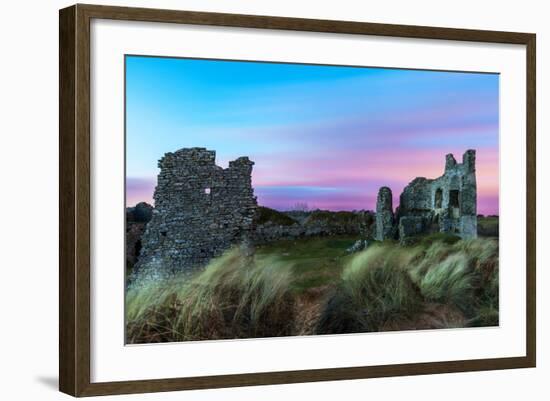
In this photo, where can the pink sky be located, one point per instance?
(349, 183)
(328, 136)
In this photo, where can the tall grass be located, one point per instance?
(375, 290)
(234, 297)
(388, 285)
(465, 275)
(438, 282)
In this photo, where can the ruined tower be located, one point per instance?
(384, 215)
(445, 204)
(200, 211)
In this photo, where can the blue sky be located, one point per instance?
(328, 136)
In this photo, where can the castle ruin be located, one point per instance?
(446, 204)
(200, 211)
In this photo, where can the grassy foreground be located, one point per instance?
(312, 286)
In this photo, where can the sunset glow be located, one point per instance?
(326, 136)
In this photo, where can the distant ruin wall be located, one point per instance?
(200, 211)
(317, 224)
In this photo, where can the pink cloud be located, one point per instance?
(349, 180)
(368, 170)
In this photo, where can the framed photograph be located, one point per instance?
(250, 200)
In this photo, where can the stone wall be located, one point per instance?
(316, 223)
(200, 211)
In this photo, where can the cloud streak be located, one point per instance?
(327, 136)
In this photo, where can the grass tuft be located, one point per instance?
(234, 297)
(374, 292)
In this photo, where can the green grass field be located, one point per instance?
(487, 226)
(314, 261)
(312, 286)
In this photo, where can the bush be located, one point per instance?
(140, 213)
(330, 217)
(266, 215)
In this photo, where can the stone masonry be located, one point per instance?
(384, 215)
(446, 204)
(200, 211)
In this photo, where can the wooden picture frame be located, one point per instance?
(75, 207)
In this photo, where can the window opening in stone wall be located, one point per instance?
(438, 198)
(453, 198)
